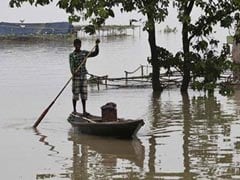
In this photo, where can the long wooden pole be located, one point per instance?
(54, 100)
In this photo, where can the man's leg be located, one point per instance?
(76, 92)
(85, 113)
(74, 102)
(84, 92)
(84, 106)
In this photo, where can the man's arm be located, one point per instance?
(71, 64)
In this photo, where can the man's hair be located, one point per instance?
(76, 41)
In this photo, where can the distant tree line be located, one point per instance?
(198, 61)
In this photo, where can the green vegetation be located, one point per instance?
(198, 45)
(198, 61)
(100, 10)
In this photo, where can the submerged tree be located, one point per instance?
(98, 11)
(155, 11)
(199, 61)
(199, 58)
(199, 52)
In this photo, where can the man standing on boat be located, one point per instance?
(77, 60)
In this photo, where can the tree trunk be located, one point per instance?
(156, 85)
(236, 59)
(186, 44)
(186, 63)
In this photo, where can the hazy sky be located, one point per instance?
(29, 13)
(49, 13)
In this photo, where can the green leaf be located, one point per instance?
(90, 29)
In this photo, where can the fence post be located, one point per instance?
(126, 77)
(98, 83)
(142, 70)
(106, 78)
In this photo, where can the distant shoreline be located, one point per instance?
(39, 38)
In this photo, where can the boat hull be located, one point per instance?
(120, 129)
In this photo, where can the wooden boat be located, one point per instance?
(94, 125)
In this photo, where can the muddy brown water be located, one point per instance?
(184, 137)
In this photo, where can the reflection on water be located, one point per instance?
(208, 143)
(184, 137)
(211, 141)
(43, 139)
(97, 157)
(192, 139)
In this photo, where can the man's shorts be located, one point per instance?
(79, 87)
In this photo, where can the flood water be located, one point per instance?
(184, 137)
